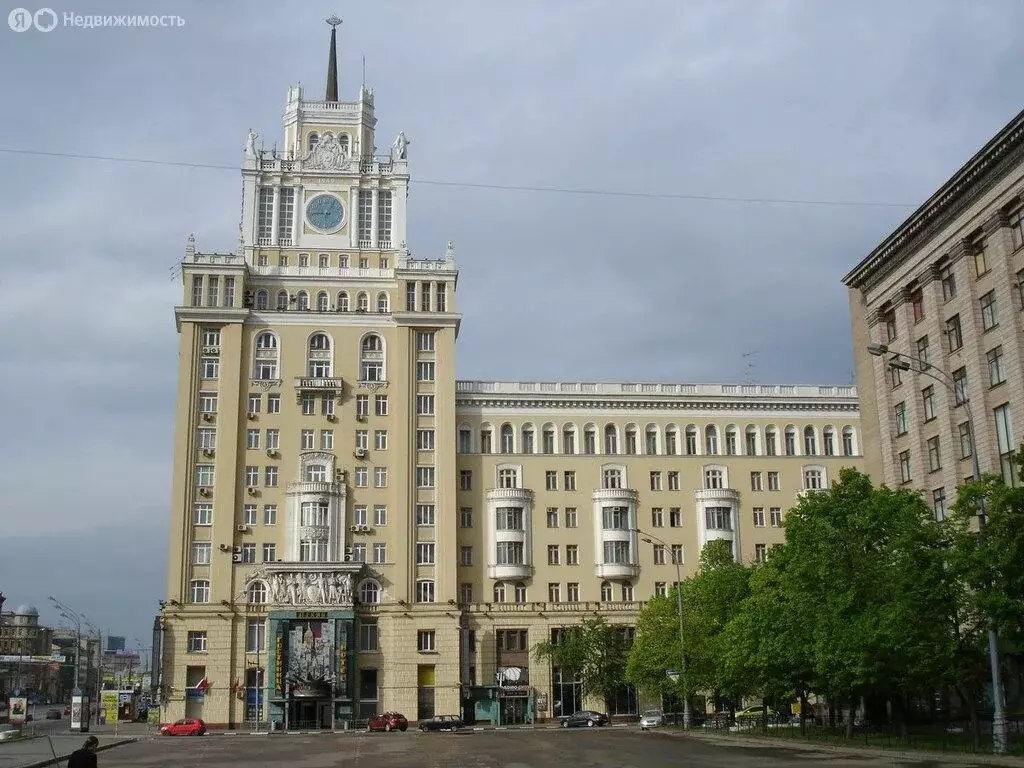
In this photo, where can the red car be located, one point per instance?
(388, 721)
(187, 726)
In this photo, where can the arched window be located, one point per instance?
(312, 141)
(548, 439)
(527, 445)
(611, 440)
(265, 359)
(383, 305)
(465, 439)
(282, 301)
(362, 302)
(711, 440)
(318, 362)
(520, 592)
(810, 441)
(828, 440)
(322, 302)
(302, 301)
(714, 477)
(343, 141)
(692, 441)
(486, 439)
(508, 439)
(771, 441)
(369, 592)
(257, 593)
(499, 592)
(262, 299)
(569, 439)
(371, 358)
(849, 447)
(607, 595)
(627, 592)
(791, 440)
(750, 440)
(590, 439)
(342, 305)
(630, 448)
(303, 259)
(672, 440)
(731, 440)
(651, 440)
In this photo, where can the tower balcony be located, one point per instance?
(720, 495)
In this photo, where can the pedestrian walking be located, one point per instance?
(86, 756)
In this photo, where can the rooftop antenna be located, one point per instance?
(748, 358)
(364, 71)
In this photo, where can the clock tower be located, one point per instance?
(314, 513)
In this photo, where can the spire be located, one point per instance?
(332, 61)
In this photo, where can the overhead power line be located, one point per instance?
(496, 187)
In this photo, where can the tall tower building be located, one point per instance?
(355, 532)
(315, 419)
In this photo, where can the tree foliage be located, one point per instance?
(593, 652)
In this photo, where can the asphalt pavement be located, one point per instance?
(580, 748)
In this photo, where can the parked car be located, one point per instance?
(54, 714)
(586, 718)
(388, 721)
(441, 723)
(67, 710)
(187, 726)
(8, 732)
(652, 718)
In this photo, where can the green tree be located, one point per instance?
(594, 652)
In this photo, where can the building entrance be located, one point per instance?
(310, 715)
(514, 709)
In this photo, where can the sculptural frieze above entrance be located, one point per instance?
(304, 585)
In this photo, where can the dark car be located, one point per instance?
(441, 723)
(388, 721)
(54, 714)
(585, 717)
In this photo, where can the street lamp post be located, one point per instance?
(903, 362)
(651, 538)
(71, 615)
(99, 667)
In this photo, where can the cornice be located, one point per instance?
(976, 177)
(213, 315)
(321, 319)
(428, 319)
(527, 403)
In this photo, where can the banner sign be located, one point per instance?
(54, 658)
(19, 709)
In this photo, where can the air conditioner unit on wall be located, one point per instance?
(205, 491)
(207, 417)
(252, 490)
(360, 453)
(236, 557)
(251, 416)
(243, 529)
(353, 528)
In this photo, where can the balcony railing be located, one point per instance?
(307, 382)
(582, 606)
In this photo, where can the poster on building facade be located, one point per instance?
(310, 662)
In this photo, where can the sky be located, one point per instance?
(872, 102)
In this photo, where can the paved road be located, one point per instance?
(604, 748)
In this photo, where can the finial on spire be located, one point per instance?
(332, 61)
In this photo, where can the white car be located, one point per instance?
(652, 718)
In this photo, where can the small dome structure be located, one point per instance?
(26, 610)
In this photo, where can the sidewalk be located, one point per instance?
(38, 752)
(756, 741)
(546, 726)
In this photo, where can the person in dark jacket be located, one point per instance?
(86, 756)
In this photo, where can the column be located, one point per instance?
(373, 218)
(275, 215)
(298, 214)
(353, 217)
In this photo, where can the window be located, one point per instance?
(425, 407)
(570, 480)
(204, 475)
(196, 642)
(616, 519)
(306, 440)
(249, 552)
(611, 478)
(425, 371)
(465, 517)
(424, 477)
(673, 481)
(369, 637)
(273, 403)
(465, 556)
(1020, 287)
(713, 478)
(905, 466)
(939, 503)
(466, 593)
(995, 366)
(775, 517)
(1016, 223)
(380, 405)
(507, 439)
(508, 478)
(658, 553)
(660, 589)
(552, 516)
(465, 440)
(509, 518)
(989, 316)
(691, 440)
(551, 480)
(465, 479)
(759, 517)
(711, 440)
(657, 518)
(380, 515)
(362, 405)
(964, 433)
(589, 441)
(270, 476)
(207, 402)
(1007, 444)
(675, 517)
(954, 333)
(363, 477)
(980, 258)
(655, 481)
(308, 403)
(249, 514)
(924, 352)
(890, 325)
(618, 553)
(255, 635)
(569, 440)
(948, 278)
(791, 441)
(269, 553)
(731, 448)
(773, 481)
(718, 518)
(509, 553)
(760, 552)
(380, 477)
(553, 554)
(813, 479)
(917, 305)
(928, 401)
(201, 553)
(810, 441)
(572, 554)
(611, 440)
(210, 367)
(627, 592)
(270, 514)
(606, 591)
(424, 553)
(202, 514)
(425, 341)
(199, 591)
(570, 517)
(548, 440)
(424, 515)
(934, 456)
(895, 376)
(425, 641)
(380, 553)
(371, 357)
(901, 419)
(252, 439)
(960, 386)
(369, 592)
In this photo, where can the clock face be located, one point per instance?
(325, 212)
